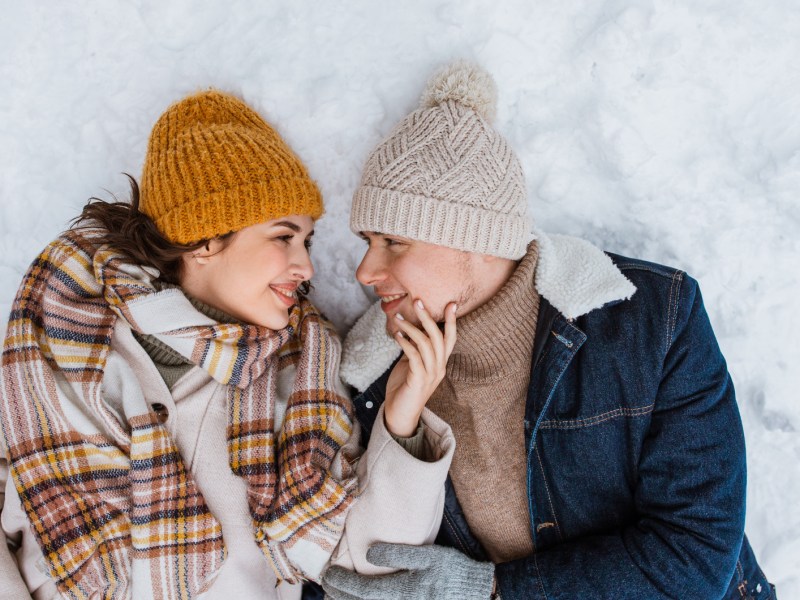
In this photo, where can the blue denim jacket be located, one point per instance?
(635, 454)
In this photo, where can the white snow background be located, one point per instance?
(664, 130)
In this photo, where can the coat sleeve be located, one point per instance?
(12, 586)
(401, 497)
(689, 497)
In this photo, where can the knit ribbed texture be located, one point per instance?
(415, 445)
(446, 177)
(483, 399)
(213, 166)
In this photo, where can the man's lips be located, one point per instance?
(391, 301)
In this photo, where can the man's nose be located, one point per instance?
(372, 269)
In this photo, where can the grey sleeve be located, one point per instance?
(415, 445)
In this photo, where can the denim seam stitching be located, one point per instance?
(597, 419)
(635, 267)
(742, 587)
(539, 576)
(547, 489)
(669, 316)
(457, 536)
(544, 355)
(672, 310)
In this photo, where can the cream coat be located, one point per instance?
(401, 497)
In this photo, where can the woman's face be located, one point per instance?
(253, 275)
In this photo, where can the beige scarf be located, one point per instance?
(111, 504)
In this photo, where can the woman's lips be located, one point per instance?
(286, 296)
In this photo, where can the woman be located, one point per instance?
(172, 419)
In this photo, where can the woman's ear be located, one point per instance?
(199, 257)
(204, 254)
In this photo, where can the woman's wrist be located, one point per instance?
(400, 423)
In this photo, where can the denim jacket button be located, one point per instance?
(369, 404)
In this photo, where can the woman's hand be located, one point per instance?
(420, 370)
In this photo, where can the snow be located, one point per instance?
(665, 130)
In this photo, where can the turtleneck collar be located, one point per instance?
(496, 338)
(161, 353)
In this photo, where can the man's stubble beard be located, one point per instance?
(467, 295)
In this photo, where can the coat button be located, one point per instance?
(369, 404)
(162, 414)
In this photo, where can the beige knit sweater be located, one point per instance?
(483, 399)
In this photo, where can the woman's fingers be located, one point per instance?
(434, 347)
(433, 331)
(423, 343)
(449, 329)
(415, 362)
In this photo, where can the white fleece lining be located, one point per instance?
(573, 275)
(368, 350)
(577, 277)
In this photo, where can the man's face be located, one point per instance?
(403, 270)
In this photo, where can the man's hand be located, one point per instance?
(420, 370)
(426, 572)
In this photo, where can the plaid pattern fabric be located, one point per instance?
(113, 507)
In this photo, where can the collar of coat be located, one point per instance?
(574, 276)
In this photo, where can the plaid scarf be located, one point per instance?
(114, 509)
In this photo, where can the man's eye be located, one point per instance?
(391, 242)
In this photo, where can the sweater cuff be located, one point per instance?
(414, 445)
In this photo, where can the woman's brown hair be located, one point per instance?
(125, 228)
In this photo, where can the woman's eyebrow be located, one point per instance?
(294, 227)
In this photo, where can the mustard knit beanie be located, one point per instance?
(213, 166)
(445, 176)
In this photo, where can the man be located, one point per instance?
(599, 448)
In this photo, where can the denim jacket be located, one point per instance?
(635, 450)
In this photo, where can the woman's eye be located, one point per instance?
(308, 244)
(285, 238)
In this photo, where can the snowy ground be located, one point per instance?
(666, 130)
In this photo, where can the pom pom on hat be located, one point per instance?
(465, 83)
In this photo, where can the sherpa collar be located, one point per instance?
(574, 276)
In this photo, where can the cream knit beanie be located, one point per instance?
(445, 176)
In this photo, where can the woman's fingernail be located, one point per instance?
(399, 334)
(455, 308)
(399, 317)
(420, 305)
